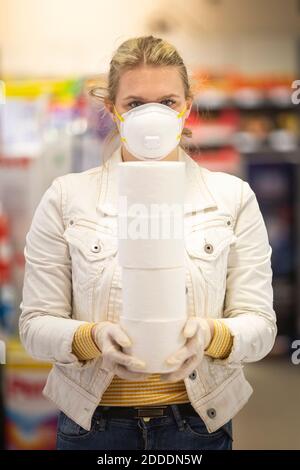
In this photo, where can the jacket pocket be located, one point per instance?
(70, 430)
(196, 427)
(208, 244)
(91, 246)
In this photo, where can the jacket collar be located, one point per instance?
(197, 194)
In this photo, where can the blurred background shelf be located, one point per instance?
(244, 58)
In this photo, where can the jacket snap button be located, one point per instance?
(211, 412)
(228, 222)
(208, 248)
(96, 248)
(186, 290)
(71, 222)
(193, 375)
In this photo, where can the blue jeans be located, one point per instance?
(167, 432)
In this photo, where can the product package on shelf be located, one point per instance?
(8, 315)
(30, 420)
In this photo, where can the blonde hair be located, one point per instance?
(134, 52)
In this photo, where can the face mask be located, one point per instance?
(151, 131)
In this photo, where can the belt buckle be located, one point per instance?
(149, 412)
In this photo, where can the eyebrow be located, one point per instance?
(142, 99)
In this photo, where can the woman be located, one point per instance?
(72, 287)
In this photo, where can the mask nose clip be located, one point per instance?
(152, 141)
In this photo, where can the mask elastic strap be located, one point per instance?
(179, 115)
(118, 115)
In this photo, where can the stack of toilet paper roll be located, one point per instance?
(151, 255)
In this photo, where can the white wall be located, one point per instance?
(61, 37)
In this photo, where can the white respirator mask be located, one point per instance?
(151, 131)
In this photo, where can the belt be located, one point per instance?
(146, 412)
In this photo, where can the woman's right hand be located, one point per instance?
(110, 338)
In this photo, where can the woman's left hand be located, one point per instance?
(199, 332)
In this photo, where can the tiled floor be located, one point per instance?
(271, 418)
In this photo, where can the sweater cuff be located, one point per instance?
(83, 345)
(221, 343)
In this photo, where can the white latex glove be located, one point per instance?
(198, 332)
(110, 338)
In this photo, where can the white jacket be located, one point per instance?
(72, 277)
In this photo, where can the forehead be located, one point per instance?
(150, 81)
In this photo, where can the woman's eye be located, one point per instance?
(139, 102)
(170, 101)
(133, 102)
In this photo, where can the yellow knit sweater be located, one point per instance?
(151, 391)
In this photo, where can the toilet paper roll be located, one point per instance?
(151, 242)
(152, 294)
(169, 225)
(151, 182)
(151, 254)
(154, 341)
